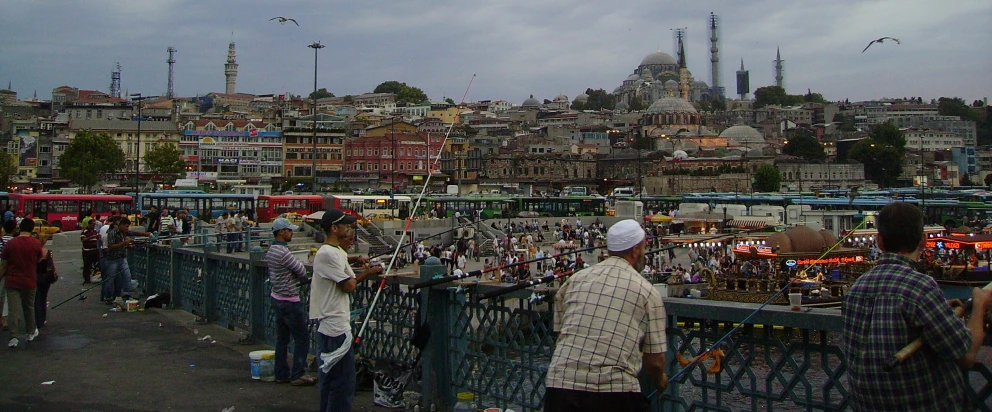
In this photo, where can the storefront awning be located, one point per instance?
(749, 223)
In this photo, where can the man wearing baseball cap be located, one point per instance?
(611, 322)
(333, 279)
(285, 273)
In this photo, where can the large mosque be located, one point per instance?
(656, 77)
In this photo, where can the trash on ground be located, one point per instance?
(231, 409)
(48, 382)
(205, 338)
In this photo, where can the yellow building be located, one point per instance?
(125, 134)
(448, 115)
(387, 129)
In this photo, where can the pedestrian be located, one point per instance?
(119, 238)
(286, 273)
(90, 239)
(19, 264)
(111, 287)
(596, 362)
(167, 224)
(892, 305)
(9, 231)
(46, 275)
(153, 219)
(333, 279)
(222, 231)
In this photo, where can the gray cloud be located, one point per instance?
(515, 47)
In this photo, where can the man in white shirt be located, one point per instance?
(333, 279)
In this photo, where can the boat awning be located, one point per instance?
(748, 223)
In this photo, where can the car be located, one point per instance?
(42, 227)
(358, 192)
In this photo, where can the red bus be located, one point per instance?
(270, 207)
(65, 211)
(362, 206)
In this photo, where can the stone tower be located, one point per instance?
(779, 69)
(683, 70)
(743, 82)
(715, 58)
(231, 71)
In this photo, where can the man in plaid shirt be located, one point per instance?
(893, 304)
(611, 323)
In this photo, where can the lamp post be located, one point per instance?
(137, 152)
(313, 171)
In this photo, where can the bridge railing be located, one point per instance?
(500, 348)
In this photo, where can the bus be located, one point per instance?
(564, 206)
(66, 211)
(271, 207)
(489, 207)
(361, 206)
(575, 191)
(661, 204)
(204, 206)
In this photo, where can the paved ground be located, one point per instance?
(146, 361)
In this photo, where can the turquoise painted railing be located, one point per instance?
(500, 349)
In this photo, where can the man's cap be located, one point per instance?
(624, 235)
(336, 217)
(283, 223)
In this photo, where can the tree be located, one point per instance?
(88, 157)
(988, 179)
(955, 106)
(449, 101)
(403, 92)
(636, 103)
(774, 95)
(599, 99)
(165, 162)
(767, 178)
(718, 104)
(965, 180)
(805, 147)
(844, 123)
(320, 93)
(8, 169)
(888, 134)
(883, 163)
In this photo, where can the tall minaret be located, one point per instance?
(779, 69)
(743, 81)
(230, 70)
(714, 59)
(683, 71)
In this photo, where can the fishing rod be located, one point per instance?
(420, 198)
(695, 361)
(479, 272)
(917, 344)
(415, 242)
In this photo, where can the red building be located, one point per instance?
(396, 160)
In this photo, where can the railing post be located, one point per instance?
(209, 284)
(256, 292)
(175, 275)
(149, 250)
(436, 378)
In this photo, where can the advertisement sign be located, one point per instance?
(227, 160)
(201, 175)
(186, 183)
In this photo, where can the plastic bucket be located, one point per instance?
(835, 274)
(263, 365)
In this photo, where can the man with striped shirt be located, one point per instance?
(286, 273)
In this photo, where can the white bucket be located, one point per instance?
(263, 365)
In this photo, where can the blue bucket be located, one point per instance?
(835, 274)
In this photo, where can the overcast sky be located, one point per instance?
(515, 47)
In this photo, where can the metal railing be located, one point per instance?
(500, 348)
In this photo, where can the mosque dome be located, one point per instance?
(671, 105)
(531, 102)
(633, 77)
(622, 106)
(743, 134)
(583, 98)
(700, 83)
(680, 154)
(671, 84)
(658, 58)
(561, 98)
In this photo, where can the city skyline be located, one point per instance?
(515, 48)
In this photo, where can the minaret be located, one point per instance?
(230, 70)
(169, 91)
(714, 59)
(115, 81)
(683, 71)
(743, 81)
(779, 69)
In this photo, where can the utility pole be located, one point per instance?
(313, 171)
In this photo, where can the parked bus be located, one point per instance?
(363, 206)
(65, 211)
(271, 207)
(204, 206)
(489, 206)
(564, 206)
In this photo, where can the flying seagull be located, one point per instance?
(881, 40)
(284, 19)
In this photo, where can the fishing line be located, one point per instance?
(678, 375)
(409, 219)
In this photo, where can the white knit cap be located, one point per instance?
(624, 235)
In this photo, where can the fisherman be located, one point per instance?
(892, 305)
(611, 321)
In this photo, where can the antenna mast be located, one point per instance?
(172, 61)
(115, 81)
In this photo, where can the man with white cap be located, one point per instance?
(285, 274)
(611, 323)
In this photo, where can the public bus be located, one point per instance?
(271, 207)
(65, 211)
(204, 206)
(488, 206)
(362, 206)
(564, 206)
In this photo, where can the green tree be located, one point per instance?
(955, 106)
(577, 105)
(965, 180)
(988, 179)
(636, 104)
(8, 169)
(767, 178)
(883, 163)
(403, 92)
(88, 157)
(599, 99)
(165, 162)
(449, 101)
(805, 147)
(774, 95)
(718, 104)
(844, 123)
(320, 93)
(890, 135)
(348, 98)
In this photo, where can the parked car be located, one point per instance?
(380, 216)
(42, 227)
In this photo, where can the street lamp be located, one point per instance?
(137, 161)
(313, 171)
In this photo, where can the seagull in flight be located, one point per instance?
(284, 20)
(881, 40)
